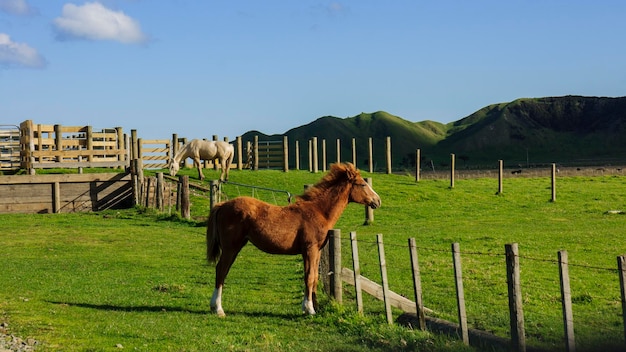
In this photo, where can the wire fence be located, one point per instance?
(595, 292)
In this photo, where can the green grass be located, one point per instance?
(139, 279)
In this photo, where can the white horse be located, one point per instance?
(204, 150)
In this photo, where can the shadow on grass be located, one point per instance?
(164, 309)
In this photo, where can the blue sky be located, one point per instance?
(203, 68)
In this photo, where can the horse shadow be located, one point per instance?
(165, 309)
(129, 309)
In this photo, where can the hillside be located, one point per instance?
(567, 130)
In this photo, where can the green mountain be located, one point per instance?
(567, 130)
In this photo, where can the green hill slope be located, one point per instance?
(570, 129)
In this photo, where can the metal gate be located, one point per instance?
(9, 148)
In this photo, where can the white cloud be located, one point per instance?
(14, 54)
(93, 21)
(16, 7)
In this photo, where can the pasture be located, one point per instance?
(139, 279)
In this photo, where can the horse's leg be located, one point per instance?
(224, 171)
(229, 254)
(311, 271)
(198, 164)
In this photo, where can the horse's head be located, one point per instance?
(173, 167)
(361, 192)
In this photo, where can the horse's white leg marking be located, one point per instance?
(216, 302)
(307, 306)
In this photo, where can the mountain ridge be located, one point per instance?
(567, 129)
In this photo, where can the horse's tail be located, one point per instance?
(213, 245)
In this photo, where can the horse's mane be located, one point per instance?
(339, 173)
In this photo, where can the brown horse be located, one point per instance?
(298, 228)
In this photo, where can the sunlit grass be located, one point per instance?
(140, 279)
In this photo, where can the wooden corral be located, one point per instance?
(56, 146)
(65, 193)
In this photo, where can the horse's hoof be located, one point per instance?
(221, 314)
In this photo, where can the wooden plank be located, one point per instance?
(25, 208)
(77, 164)
(72, 129)
(155, 150)
(36, 179)
(77, 153)
(155, 141)
(376, 290)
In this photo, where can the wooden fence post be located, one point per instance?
(89, 146)
(58, 141)
(621, 267)
(315, 161)
(518, 337)
(553, 198)
(323, 155)
(184, 197)
(500, 176)
(255, 154)
(566, 302)
(418, 158)
(120, 144)
(383, 275)
(239, 146)
(285, 154)
(460, 295)
(297, 151)
(310, 155)
(370, 155)
(452, 160)
(369, 211)
(335, 265)
(417, 285)
(338, 150)
(388, 154)
(140, 150)
(356, 266)
(147, 192)
(136, 180)
(158, 193)
(56, 197)
(354, 152)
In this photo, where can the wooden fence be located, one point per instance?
(65, 193)
(56, 146)
(416, 314)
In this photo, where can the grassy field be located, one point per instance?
(139, 279)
